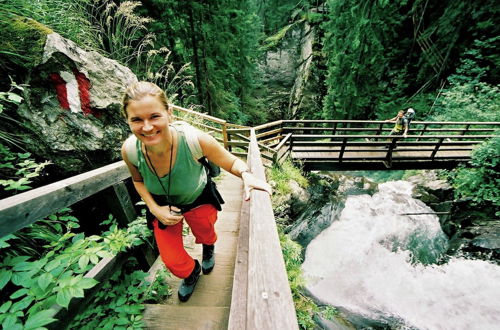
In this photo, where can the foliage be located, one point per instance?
(384, 56)
(481, 181)
(220, 39)
(468, 97)
(11, 98)
(67, 18)
(33, 280)
(122, 33)
(18, 170)
(120, 301)
(292, 252)
(282, 174)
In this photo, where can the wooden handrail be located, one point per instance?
(366, 136)
(23, 209)
(283, 141)
(267, 125)
(383, 121)
(198, 114)
(261, 296)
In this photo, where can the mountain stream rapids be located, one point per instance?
(388, 270)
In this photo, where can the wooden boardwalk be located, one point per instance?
(208, 307)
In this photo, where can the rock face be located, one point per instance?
(473, 230)
(327, 196)
(71, 109)
(278, 73)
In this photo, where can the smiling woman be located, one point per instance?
(173, 184)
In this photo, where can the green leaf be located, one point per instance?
(15, 98)
(40, 319)
(23, 266)
(52, 265)
(83, 261)
(86, 283)
(22, 304)
(64, 297)
(5, 276)
(94, 259)
(9, 322)
(19, 293)
(5, 307)
(45, 280)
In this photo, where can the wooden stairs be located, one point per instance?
(208, 307)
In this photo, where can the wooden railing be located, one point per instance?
(24, 209)
(261, 297)
(346, 137)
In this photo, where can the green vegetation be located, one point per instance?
(305, 307)
(480, 181)
(45, 264)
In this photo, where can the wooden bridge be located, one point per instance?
(248, 288)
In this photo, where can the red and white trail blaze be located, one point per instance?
(73, 91)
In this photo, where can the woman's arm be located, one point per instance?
(162, 213)
(223, 158)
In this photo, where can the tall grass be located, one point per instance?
(115, 30)
(68, 18)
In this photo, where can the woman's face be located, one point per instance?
(148, 120)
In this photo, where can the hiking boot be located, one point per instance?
(187, 286)
(208, 262)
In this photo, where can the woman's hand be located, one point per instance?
(251, 182)
(165, 214)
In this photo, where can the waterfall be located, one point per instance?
(380, 265)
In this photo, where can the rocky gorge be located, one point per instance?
(472, 232)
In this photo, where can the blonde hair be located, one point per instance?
(139, 90)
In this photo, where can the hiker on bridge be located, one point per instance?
(174, 185)
(401, 124)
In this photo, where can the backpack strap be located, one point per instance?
(131, 150)
(191, 135)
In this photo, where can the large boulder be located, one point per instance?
(71, 109)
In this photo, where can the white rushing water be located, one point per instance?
(363, 263)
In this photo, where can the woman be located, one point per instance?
(166, 174)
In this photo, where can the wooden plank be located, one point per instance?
(120, 202)
(185, 317)
(304, 121)
(198, 114)
(267, 125)
(267, 133)
(270, 304)
(238, 311)
(297, 137)
(23, 209)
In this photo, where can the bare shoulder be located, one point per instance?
(206, 140)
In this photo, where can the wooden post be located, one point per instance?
(388, 158)
(466, 129)
(436, 148)
(423, 131)
(225, 138)
(379, 130)
(120, 203)
(342, 149)
(122, 208)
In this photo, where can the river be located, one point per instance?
(376, 264)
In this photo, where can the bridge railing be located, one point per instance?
(21, 210)
(275, 140)
(261, 297)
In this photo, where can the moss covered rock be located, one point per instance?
(23, 42)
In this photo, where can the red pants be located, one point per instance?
(169, 240)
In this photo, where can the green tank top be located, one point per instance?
(188, 175)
